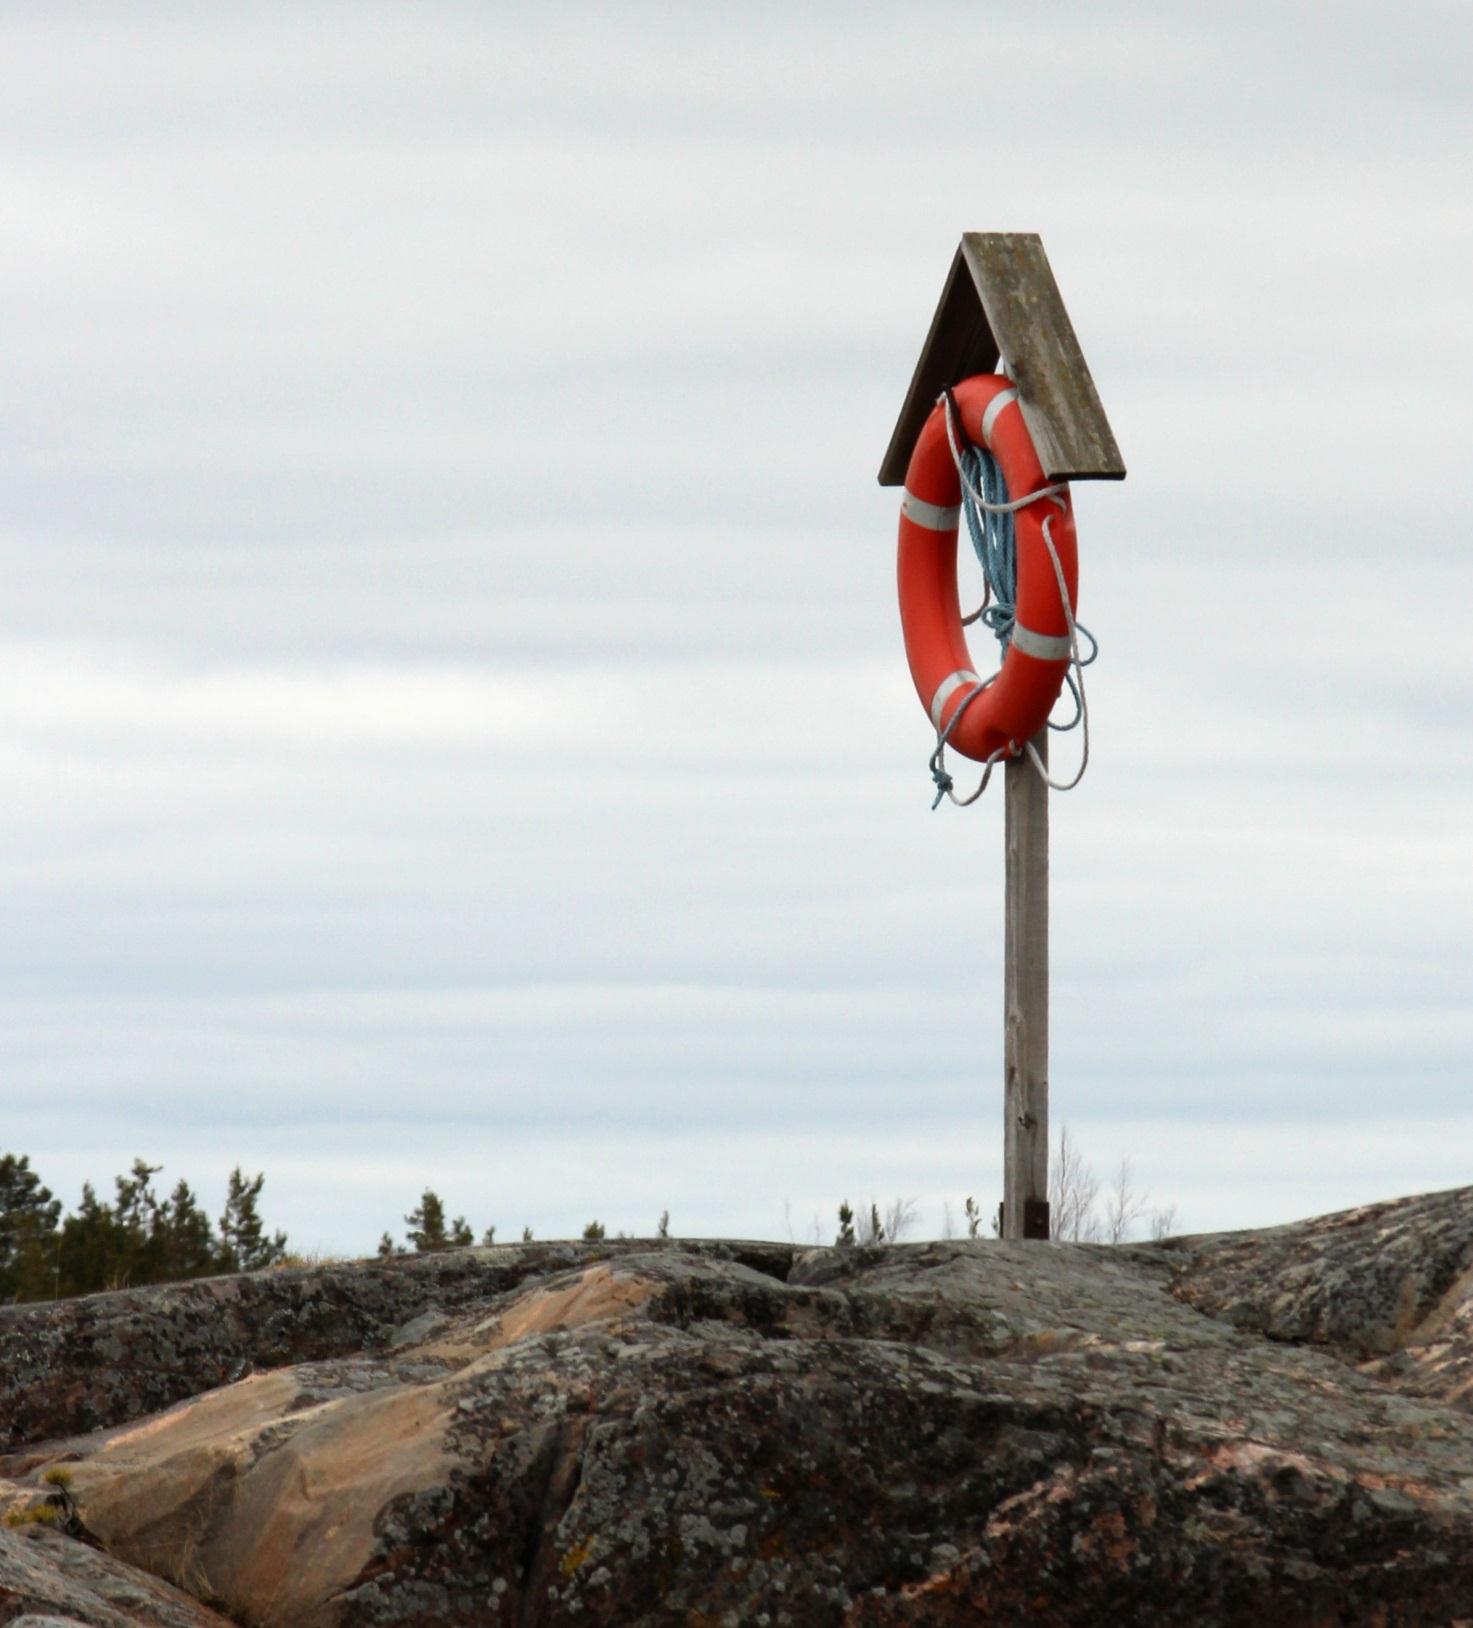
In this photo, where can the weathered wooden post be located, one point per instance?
(1000, 311)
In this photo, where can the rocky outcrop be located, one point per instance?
(626, 1433)
(1364, 1281)
(1390, 1281)
(80, 1364)
(48, 1580)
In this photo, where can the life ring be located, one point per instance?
(1016, 704)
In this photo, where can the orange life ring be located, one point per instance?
(1016, 704)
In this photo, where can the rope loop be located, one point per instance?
(945, 785)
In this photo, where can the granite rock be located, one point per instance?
(48, 1580)
(699, 1434)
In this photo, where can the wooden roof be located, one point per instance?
(1001, 300)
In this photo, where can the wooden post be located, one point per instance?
(1025, 999)
(1000, 301)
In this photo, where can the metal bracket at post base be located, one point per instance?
(1035, 1219)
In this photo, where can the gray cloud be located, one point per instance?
(452, 719)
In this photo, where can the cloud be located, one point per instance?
(453, 726)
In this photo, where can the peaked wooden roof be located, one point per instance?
(1001, 301)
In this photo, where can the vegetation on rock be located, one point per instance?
(428, 1230)
(141, 1237)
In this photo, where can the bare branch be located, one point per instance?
(1125, 1206)
(900, 1219)
(869, 1226)
(1072, 1189)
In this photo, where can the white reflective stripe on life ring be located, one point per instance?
(948, 688)
(989, 417)
(1045, 646)
(930, 515)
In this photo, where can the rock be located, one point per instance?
(79, 1364)
(949, 1433)
(1437, 1360)
(1365, 1281)
(1390, 1283)
(51, 1581)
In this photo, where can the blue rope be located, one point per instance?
(995, 540)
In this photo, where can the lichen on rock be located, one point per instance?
(625, 1432)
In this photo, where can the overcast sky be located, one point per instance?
(453, 722)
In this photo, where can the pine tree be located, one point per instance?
(140, 1238)
(184, 1241)
(386, 1247)
(974, 1218)
(28, 1232)
(137, 1241)
(244, 1246)
(489, 1236)
(594, 1230)
(426, 1224)
(846, 1225)
(92, 1245)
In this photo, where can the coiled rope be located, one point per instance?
(989, 515)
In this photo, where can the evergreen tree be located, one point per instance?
(139, 1238)
(183, 1245)
(426, 1224)
(386, 1247)
(244, 1246)
(594, 1230)
(91, 1246)
(139, 1232)
(489, 1236)
(28, 1232)
(846, 1225)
